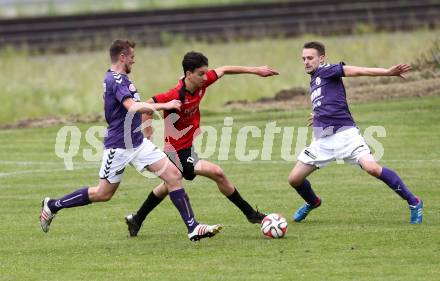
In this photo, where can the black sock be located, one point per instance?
(244, 206)
(306, 192)
(149, 204)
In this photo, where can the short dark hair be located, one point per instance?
(193, 60)
(120, 46)
(317, 46)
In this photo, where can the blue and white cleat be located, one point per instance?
(302, 212)
(416, 213)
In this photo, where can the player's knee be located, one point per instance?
(161, 191)
(218, 173)
(106, 197)
(294, 180)
(100, 196)
(174, 177)
(374, 170)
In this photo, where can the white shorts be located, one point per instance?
(114, 160)
(347, 145)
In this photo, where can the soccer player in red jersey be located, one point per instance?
(181, 127)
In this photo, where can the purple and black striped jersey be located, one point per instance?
(329, 101)
(117, 88)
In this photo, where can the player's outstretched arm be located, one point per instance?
(145, 107)
(263, 71)
(396, 70)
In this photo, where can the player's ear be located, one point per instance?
(321, 59)
(121, 56)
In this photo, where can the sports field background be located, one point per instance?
(60, 84)
(361, 232)
(20, 8)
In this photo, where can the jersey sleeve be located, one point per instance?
(332, 71)
(211, 78)
(166, 97)
(121, 91)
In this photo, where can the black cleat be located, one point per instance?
(133, 226)
(256, 217)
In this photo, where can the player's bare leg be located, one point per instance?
(391, 178)
(297, 179)
(214, 172)
(103, 192)
(299, 173)
(166, 170)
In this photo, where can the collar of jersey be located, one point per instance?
(182, 83)
(112, 71)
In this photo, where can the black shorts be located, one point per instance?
(185, 160)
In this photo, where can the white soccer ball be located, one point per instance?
(274, 226)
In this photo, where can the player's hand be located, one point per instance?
(399, 70)
(265, 71)
(149, 114)
(310, 119)
(174, 104)
(148, 133)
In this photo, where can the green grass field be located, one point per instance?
(361, 232)
(56, 8)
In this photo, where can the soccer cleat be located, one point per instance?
(302, 212)
(256, 217)
(416, 213)
(203, 230)
(46, 215)
(133, 226)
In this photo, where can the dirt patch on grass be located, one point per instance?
(423, 83)
(283, 99)
(53, 120)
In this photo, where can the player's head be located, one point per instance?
(122, 52)
(195, 66)
(313, 55)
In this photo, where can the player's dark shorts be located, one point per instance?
(185, 160)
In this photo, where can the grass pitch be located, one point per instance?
(361, 232)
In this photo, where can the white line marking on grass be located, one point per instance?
(47, 163)
(30, 163)
(95, 165)
(290, 162)
(4, 175)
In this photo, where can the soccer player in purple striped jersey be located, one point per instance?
(335, 133)
(125, 144)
